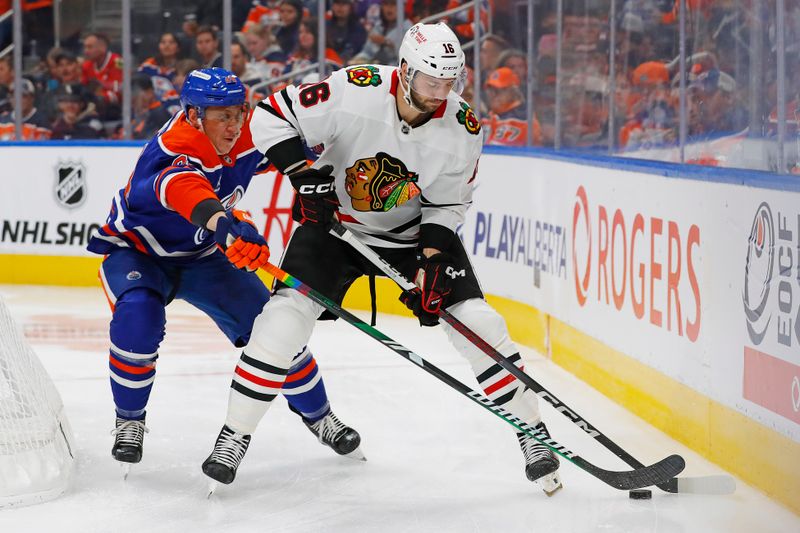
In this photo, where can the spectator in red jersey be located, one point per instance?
(102, 65)
(77, 117)
(163, 63)
(35, 126)
(291, 13)
(345, 34)
(207, 45)
(507, 123)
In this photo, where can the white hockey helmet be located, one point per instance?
(433, 50)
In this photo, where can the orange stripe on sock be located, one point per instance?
(130, 369)
(303, 373)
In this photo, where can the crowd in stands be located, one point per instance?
(77, 93)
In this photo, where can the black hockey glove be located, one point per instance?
(434, 281)
(315, 202)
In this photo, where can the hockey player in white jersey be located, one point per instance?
(399, 155)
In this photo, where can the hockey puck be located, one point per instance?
(640, 494)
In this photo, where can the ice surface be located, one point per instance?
(436, 462)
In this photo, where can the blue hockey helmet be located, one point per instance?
(211, 87)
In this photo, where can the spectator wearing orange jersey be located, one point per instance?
(507, 123)
(35, 126)
(102, 65)
(264, 14)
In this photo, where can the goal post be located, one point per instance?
(37, 452)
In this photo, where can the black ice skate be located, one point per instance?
(342, 439)
(228, 452)
(128, 442)
(541, 464)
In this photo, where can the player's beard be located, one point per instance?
(425, 106)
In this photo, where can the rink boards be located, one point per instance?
(674, 291)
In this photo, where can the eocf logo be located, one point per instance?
(656, 276)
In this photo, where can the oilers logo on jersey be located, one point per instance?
(380, 183)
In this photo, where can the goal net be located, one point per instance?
(36, 445)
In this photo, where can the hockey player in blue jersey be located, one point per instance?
(163, 240)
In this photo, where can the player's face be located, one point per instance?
(428, 92)
(223, 125)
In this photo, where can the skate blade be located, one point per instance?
(212, 486)
(126, 469)
(356, 455)
(551, 483)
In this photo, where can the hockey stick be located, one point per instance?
(626, 480)
(719, 484)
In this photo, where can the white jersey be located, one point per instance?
(390, 178)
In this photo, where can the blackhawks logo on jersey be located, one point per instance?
(380, 183)
(364, 76)
(466, 116)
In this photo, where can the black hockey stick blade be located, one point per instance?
(666, 468)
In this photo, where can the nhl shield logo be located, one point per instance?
(70, 185)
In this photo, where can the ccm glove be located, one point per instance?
(434, 282)
(243, 244)
(315, 202)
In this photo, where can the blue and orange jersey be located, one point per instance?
(177, 169)
(151, 67)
